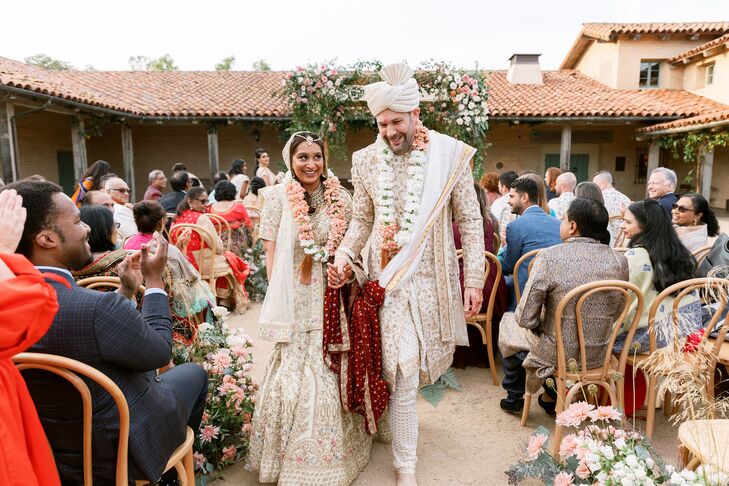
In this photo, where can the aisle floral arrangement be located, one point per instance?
(599, 453)
(225, 354)
(257, 282)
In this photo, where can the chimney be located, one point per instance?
(524, 69)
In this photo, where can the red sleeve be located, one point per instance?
(240, 210)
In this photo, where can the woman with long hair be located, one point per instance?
(91, 180)
(301, 434)
(237, 176)
(657, 259)
(263, 160)
(550, 180)
(694, 220)
(541, 190)
(490, 182)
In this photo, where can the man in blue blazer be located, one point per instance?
(532, 230)
(105, 331)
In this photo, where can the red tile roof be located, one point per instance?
(693, 123)
(608, 32)
(723, 40)
(256, 94)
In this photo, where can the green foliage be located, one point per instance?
(144, 63)
(226, 64)
(48, 62)
(692, 146)
(434, 393)
(261, 65)
(257, 282)
(328, 99)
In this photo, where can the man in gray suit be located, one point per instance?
(105, 330)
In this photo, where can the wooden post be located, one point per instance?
(78, 142)
(7, 146)
(565, 149)
(128, 160)
(706, 173)
(213, 154)
(654, 158)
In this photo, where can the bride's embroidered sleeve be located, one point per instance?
(467, 214)
(363, 210)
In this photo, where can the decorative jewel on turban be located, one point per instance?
(398, 91)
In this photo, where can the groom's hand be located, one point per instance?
(472, 300)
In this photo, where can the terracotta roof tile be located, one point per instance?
(699, 49)
(564, 93)
(608, 31)
(695, 121)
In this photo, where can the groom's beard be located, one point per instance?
(407, 142)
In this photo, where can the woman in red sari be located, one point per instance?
(228, 287)
(234, 212)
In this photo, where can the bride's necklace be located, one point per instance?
(394, 235)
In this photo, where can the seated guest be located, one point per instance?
(475, 353)
(104, 331)
(157, 183)
(219, 176)
(180, 182)
(527, 337)
(541, 189)
(550, 181)
(490, 182)
(228, 288)
(615, 201)
(190, 297)
(657, 260)
(532, 230)
(589, 190)
(500, 208)
(565, 187)
(102, 240)
(661, 185)
(253, 202)
(695, 221)
(119, 192)
(234, 212)
(98, 198)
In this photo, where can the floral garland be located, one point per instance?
(394, 235)
(335, 211)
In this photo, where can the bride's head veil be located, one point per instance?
(307, 138)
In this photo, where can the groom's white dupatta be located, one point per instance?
(447, 159)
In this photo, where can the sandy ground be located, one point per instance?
(466, 440)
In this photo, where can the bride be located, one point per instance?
(300, 432)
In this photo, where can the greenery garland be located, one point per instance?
(328, 98)
(692, 146)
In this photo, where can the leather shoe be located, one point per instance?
(548, 407)
(514, 406)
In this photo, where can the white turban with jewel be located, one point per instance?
(398, 92)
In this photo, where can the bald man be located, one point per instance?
(98, 198)
(565, 188)
(123, 216)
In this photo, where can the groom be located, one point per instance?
(408, 188)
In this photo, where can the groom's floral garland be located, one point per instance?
(335, 211)
(394, 235)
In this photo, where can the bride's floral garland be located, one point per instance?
(394, 235)
(335, 211)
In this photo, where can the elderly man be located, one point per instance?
(123, 216)
(661, 185)
(565, 188)
(427, 177)
(98, 198)
(157, 183)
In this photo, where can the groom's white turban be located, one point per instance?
(398, 92)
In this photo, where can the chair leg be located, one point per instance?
(561, 406)
(525, 410)
(667, 404)
(490, 352)
(651, 407)
(189, 468)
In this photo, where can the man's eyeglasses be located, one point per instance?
(123, 191)
(682, 209)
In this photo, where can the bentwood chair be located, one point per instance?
(484, 321)
(223, 228)
(531, 256)
(107, 284)
(210, 265)
(609, 376)
(701, 254)
(73, 371)
(702, 364)
(704, 442)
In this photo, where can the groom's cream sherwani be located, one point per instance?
(431, 298)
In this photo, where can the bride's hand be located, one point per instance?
(337, 279)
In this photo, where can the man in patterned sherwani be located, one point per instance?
(412, 253)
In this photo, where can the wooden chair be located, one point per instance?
(712, 346)
(223, 228)
(497, 243)
(704, 442)
(609, 376)
(484, 321)
(519, 262)
(105, 284)
(701, 254)
(210, 267)
(72, 370)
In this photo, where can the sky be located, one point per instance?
(199, 34)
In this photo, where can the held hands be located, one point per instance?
(12, 220)
(472, 300)
(338, 273)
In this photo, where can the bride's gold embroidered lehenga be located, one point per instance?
(301, 434)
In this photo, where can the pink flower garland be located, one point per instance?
(335, 211)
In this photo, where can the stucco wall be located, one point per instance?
(40, 136)
(694, 77)
(600, 62)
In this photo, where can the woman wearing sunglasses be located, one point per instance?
(694, 220)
